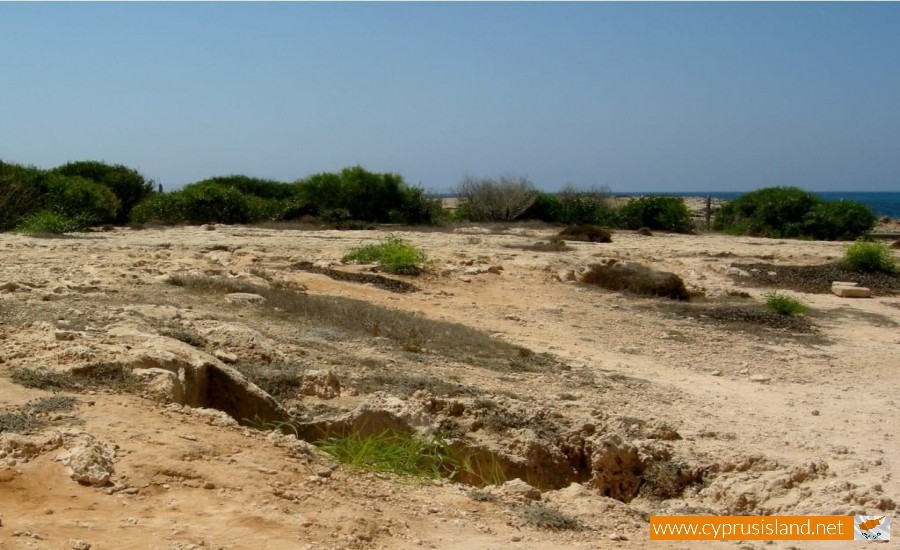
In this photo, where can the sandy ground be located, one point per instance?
(777, 423)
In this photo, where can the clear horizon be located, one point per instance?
(649, 98)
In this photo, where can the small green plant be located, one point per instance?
(784, 304)
(393, 254)
(868, 257)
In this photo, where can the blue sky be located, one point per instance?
(637, 96)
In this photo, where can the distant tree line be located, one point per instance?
(81, 194)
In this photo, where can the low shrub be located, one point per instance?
(868, 257)
(586, 233)
(656, 212)
(637, 279)
(502, 199)
(784, 304)
(392, 253)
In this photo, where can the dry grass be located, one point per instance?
(356, 317)
(636, 279)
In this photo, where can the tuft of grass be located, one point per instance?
(17, 422)
(54, 403)
(784, 304)
(101, 375)
(868, 257)
(410, 455)
(545, 518)
(392, 253)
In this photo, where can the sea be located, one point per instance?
(882, 203)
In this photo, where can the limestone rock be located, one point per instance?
(201, 379)
(323, 384)
(616, 467)
(244, 298)
(88, 461)
(850, 290)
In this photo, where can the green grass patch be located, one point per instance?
(412, 455)
(48, 222)
(392, 253)
(784, 304)
(868, 257)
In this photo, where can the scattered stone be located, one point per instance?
(66, 335)
(15, 448)
(244, 298)
(518, 488)
(761, 378)
(225, 356)
(716, 373)
(566, 275)
(208, 227)
(815, 412)
(617, 537)
(324, 472)
(78, 544)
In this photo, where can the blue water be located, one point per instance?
(882, 203)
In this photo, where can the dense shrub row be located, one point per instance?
(790, 212)
(508, 199)
(77, 195)
(351, 194)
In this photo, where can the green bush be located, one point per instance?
(768, 212)
(790, 212)
(867, 257)
(838, 221)
(21, 193)
(656, 212)
(784, 304)
(128, 185)
(165, 209)
(79, 198)
(572, 206)
(49, 222)
(393, 254)
(257, 187)
(365, 196)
